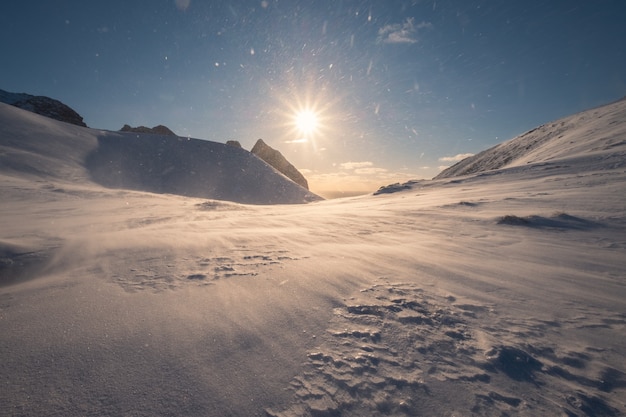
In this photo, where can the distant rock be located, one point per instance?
(156, 130)
(394, 188)
(233, 143)
(44, 106)
(275, 159)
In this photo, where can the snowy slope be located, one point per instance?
(593, 132)
(37, 146)
(492, 294)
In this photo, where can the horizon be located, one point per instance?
(391, 92)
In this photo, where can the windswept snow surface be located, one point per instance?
(499, 293)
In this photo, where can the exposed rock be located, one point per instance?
(279, 162)
(156, 130)
(234, 143)
(44, 106)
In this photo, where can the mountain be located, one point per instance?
(156, 130)
(44, 106)
(589, 141)
(279, 162)
(32, 146)
(564, 139)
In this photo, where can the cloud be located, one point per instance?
(369, 171)
(405, 32)
(356, 165)
(455, 158)
(303, 140)
(182, 4)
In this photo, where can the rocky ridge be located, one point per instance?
(275, 159)
(156, 130)
(44, 106)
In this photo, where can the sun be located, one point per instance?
(306, 121)
(305, 115)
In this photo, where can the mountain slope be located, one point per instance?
(32, 146)
(189, 167)
(570, 137)
(279, 162)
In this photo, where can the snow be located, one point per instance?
(582, 135)
(494, 293)
(145, 162)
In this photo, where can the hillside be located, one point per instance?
(39, 147)
(597, 131)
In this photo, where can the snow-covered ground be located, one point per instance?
(496, 293)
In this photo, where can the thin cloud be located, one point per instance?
(405, 32)
(455, 158)
(356, 165)
(182, 5)
(369, 171)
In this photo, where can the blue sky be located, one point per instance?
(400, 87)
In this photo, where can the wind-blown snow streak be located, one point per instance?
(489, 294)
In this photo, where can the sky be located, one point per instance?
(399, 89)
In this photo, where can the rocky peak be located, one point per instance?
(233, 143)
(44, 106)
(275, 159)
(156, 130)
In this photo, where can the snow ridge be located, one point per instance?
(566, 138)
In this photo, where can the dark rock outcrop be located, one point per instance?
(44, 106)
(234, 143)
(275, 159)
(156, 130)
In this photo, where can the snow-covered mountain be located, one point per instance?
(36, 146)
(595, 132)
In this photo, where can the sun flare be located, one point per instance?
(306, 116)
(306, 122)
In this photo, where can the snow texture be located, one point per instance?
(497, 293)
